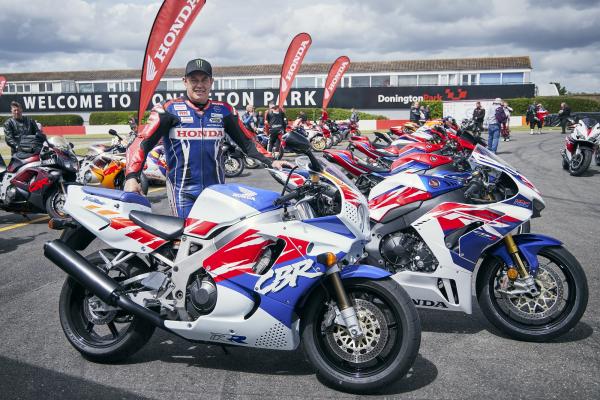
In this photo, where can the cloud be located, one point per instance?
(561, 37)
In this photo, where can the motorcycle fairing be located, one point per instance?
(529, 245)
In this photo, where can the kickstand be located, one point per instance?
(225, 350)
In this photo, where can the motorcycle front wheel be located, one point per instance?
(233, 166)
(55, 203)
(392, 336)
(102, 336)
(560, 304)
(318, 143)
(580, 162)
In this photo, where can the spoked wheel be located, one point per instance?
(99, 332)
(55, 204)
(233, 166)
(562, 298)
(384, 354)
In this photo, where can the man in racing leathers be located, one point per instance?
(192, 128)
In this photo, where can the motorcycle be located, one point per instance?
(580, 146)
(432, 230)
(104, 165)
(248, 267)
(37, 183)
(233, 159)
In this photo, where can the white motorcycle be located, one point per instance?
(247, 268)
(580, 146)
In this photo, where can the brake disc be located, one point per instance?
(375, 330)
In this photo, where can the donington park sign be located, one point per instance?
(361, 98)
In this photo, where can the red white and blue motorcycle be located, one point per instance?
(433, 230)
(580, 146)
(248, 267)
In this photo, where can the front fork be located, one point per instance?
(521, 271)
(347, 311)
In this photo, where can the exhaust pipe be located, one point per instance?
(96, 281)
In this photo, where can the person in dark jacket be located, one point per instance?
(415, 112)
(478, 117)
(563, 115)
(22, 133)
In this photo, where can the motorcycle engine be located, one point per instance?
(201, 295)
(406, 251)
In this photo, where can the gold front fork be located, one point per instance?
(512, 248)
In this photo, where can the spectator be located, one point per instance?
(532, 118)
(324, 115)
(563, 115)
(478, 116)
(495, 118)
(421, 115)
(277, 122)
(301, 121)
(427, 113)
(260, 120)
(354, 118)
(249, 118)
(505, 128)
(22, 133)
(414, 115)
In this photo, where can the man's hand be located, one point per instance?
(132, 185)
(280, 164)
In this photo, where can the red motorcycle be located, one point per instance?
(37, 183)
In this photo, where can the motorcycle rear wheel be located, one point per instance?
(102, 337)
(560, 305)
(392, 336)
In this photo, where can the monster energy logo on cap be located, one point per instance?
(198, 65)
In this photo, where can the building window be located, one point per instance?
(468, 79)
(305, 82)
(361, 81)
(380, 81)
(345, 81)
(321, 82)
(86, 88)
(263, 83)
(512, 78)
(245, 83)
(225, 84)
(489, 79)
(100, 87)
(407, 80)
(112, 86)
(428, 80)
(453, 79)
(45, 87)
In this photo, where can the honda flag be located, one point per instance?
(172, 22)
(336, 72)
(291, 64)
(2, 84)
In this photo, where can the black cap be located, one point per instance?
(198, 65)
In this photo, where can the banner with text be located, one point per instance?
(383, 98)
(334, 78)
(291, 64)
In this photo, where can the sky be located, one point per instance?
(562, 37)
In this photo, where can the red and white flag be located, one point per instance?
(2, 84)
(336, 72)
(291, 64)
(172, 22)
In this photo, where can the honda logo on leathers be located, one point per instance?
(182, 133)
(292, 69)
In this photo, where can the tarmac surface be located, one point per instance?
(461, 355)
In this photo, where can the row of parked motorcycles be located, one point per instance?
(336, 262)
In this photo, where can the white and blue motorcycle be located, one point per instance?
(248, 267)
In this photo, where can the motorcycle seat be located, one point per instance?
(163, 226)
(17, 162)
(370, 167)
(119, 195)
(385, 153)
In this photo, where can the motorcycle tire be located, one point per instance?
(96, 334)
(392, 336)
(55, 201)
(529, 319)
(580, 164)
(318, 143)
(277, 151)
(597, 157)
(565, 164)
(251, 163)
(337, 138)
(145, 184)
(233, 166)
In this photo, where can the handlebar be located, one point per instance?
(294, 194)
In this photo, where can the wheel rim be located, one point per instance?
(576, 161)
(319, 144)
(58, 203)
(557, 296)
(373, 353)
(232, 165)
(97, 329)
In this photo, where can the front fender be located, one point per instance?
(363, 271)
(529, 245)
